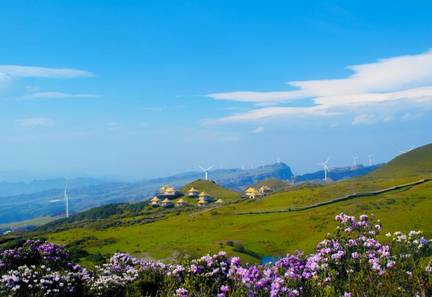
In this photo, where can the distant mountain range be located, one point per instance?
(24, 201)
(17, 188)
(336, 174)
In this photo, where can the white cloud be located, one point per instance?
(57, 95)
(4, 80)
(275, 112)
(34, 122)
(34, 71)
(258, 130)
(390, 74)
(3, 77)
(10, 73)
(260, 97)
(411, 116)
(406, 79)
(368, 119)
(416, 95)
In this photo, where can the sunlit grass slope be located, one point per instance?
(213, 189)
(254, 236)
(413, 163)
(275, 184)
(263, 235)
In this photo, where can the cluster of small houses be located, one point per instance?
(167, 194)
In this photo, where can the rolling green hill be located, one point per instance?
(253, 236)
(213, 189)
(127, 214)
(417, 162)
(180, 232)
(275, 184)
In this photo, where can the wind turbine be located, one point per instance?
(355, 159)
(293, 177)
(326, 168)
(205, 170)
(370, 160)
(66, 199)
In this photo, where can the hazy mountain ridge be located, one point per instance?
(17, 188)
(339, 173)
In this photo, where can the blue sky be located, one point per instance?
(136, 89)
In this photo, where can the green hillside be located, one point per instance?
(213, 189)
(417, 162)
(253, 236)
(122, 214)
(275, 184)
(191, 231)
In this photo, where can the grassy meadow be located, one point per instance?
(255, 236)
(191, 231)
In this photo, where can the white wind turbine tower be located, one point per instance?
(355, 159)
(370, 160)
(66, 199)
(326, 168)
(205, 170)
(293, 177)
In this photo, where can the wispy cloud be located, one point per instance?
(34, 122)
(35, 71)
(368, 119)
(260, 97)
(399, 79)
(57, 95)
(257, 130)
(275, 112)
(10, 73)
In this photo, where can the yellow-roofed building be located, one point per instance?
(168, 192)
(206, 197)
(154, 202)
(193, 193)
(252, 193)
(181, 202)
(264, 190)
(202, 202)
(166, 203)
(219, 201)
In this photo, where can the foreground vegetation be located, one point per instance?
(351, 262)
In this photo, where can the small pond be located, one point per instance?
(269, 259)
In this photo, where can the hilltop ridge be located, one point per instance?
(416, 162)
(212, 189)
